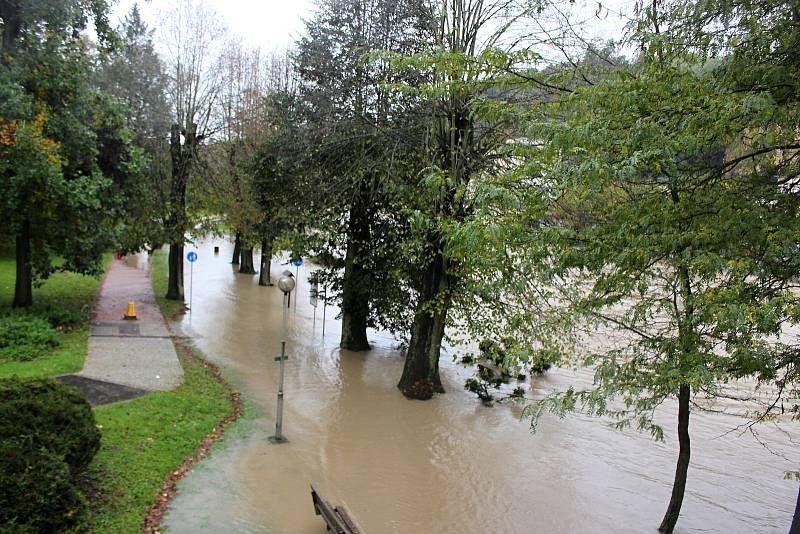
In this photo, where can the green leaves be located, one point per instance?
(64, 149)
(669, 245)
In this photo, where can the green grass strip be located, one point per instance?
(170, 308)
(67, 292)
(146, 439)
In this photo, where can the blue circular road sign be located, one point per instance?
(297, 262)
(192, 256)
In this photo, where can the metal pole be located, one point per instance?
(297, 279)
(191, 285)
(324, 309)
(278, 437)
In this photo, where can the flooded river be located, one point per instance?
(449, 465)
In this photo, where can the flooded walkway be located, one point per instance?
(449, 465)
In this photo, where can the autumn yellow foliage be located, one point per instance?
(9, 131)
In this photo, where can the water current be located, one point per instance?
(449, 465)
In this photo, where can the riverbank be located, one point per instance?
(146, 442)
(150, 442)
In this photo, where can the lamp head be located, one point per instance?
(286, 283)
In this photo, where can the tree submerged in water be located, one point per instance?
(668, 257)
(499, 364)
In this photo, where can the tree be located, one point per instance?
(360, 148)
(469, 71)
(277, 178)
(134, 74)
(755, 62)
(688, 259)
(191, 35)
(245, 125)
(56, 200)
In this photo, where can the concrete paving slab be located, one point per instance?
(133, 353)
(130, 328)
(124, 283)
(148, 363)
(98, 392)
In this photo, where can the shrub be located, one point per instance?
(37, 491)
(492, 351)
(24, 337)
(62, 317)
(53, 415)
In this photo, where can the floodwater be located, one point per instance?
(449, 465)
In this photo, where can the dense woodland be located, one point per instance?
(463, 170)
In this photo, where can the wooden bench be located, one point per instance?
(336, 518)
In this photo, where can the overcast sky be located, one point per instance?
(274, 24)
(268, 24)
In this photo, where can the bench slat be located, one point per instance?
(336, 518)
(351, 525)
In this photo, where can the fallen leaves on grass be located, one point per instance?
(152, 521)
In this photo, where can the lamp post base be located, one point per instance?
(275, 440)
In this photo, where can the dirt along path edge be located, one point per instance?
(169, 489)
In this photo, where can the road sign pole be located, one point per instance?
(313, 296)
(191, 285)
(324, 308)
(191, 257)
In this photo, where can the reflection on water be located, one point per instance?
(449, 465)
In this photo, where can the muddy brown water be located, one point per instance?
(449, 465)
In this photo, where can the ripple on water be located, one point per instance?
(449, 465)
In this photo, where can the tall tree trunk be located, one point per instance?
(10, 12)
(246, 261)
(679, 486)
(795, 528)
(181, 157)
(175, 264)
(688, 341)
(23, 285)
(420, 378)
(356, 282)
(237, 249)
(264, 278)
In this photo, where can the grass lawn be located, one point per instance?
(65, 295)
(147, 439)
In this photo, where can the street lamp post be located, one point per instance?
(286, 284)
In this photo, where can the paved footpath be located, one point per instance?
(128, 358)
